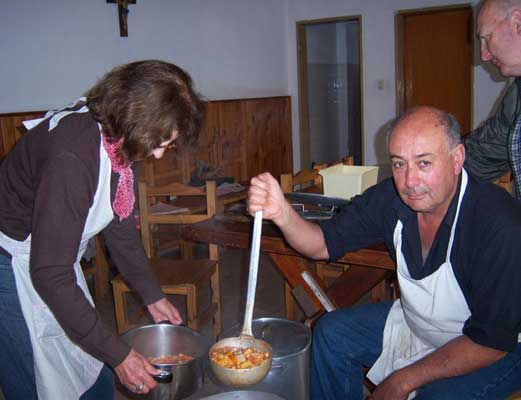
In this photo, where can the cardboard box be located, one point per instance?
(346, 181)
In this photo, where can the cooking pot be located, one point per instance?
(176, 381)
(290, 341)
(244, 395)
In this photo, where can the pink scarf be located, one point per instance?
(124, 201)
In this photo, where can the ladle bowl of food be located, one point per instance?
(240, 361)
(243, 360)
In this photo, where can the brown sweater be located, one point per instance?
(47, 185)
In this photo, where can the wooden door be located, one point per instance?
(435, 61)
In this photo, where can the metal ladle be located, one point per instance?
(246, 376)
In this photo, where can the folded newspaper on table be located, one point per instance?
(161, 208)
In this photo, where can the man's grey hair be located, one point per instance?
(504, 6)
(442, 118)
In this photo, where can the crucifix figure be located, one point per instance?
(123, 14)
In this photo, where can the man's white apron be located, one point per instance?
(430, 313)
(62, 369)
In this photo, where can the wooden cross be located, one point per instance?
(123, 14)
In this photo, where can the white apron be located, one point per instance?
(430, 313)
(62, 369)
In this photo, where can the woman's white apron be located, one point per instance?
(430, 312)
(62, 369)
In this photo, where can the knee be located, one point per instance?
(323, 326)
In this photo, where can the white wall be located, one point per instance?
(53, 50)
(378, 63)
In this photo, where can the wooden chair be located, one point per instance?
(98, 267)
(179, 277)
(310, 181)
(198, 204)
(505, 181)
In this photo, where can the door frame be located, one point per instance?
(303, 95)
(399, 42)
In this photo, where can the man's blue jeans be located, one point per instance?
(347, 340)
(16, 357)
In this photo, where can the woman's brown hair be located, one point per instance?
(143, 103)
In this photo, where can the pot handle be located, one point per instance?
(164, 376)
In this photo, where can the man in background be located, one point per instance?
(495, 147)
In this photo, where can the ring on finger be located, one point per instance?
(140, 387)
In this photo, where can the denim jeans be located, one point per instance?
(16, 356)
(347, 340)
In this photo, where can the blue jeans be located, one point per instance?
(16, 356)
(349, 339)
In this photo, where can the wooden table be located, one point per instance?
(368, 267)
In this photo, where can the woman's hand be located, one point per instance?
(135, 373)
(163, 310)
(265, 194)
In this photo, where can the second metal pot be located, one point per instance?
(176, 381)
(291, 342)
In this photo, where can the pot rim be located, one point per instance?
(203, 353)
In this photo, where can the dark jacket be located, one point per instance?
(493, 148)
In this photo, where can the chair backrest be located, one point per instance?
(195, 204)
(309, 179)
(505, 181)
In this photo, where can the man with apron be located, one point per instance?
(453, 334)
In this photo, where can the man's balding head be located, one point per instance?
(499, 32)
(426, 157)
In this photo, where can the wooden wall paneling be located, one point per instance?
(269, 142)
(231, 139)
(11, 128)
(205, 148)
(169, 170)
(243, 136)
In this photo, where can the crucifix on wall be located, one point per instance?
(123, 14)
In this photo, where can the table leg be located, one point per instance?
(291, 268)
(355, 282)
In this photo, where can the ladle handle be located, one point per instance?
(252, 275)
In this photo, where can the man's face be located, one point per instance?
(425, 171)
(500, 41)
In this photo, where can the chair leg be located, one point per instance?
(320, 272)
(186, 249)
(379, 292)
(191, 308)
(290, 302)
(216, 291)
(101, 274)
(120, 307)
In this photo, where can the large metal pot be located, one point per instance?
(244, 395)
(176, 381)
(290, 341)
